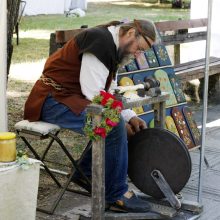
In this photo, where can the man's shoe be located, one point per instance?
(132, 204)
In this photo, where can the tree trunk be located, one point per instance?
(12, 16)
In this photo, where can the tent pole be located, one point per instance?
(205, 100)
(3, 65)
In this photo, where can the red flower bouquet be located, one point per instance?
(110, 117)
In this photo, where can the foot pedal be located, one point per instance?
(165, 211)
(165, 188)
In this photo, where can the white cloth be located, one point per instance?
(82, 4)
(36, 7)
(93, 75)
(18, 194)
(37, 126)
(67, 6)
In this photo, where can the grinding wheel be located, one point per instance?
(157, 148)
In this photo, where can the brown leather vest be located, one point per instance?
(63, 67)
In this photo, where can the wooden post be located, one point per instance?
(177, 50)
(3, 66)
(53, 45)
(98, 168)
(159, 114)
(176, 54)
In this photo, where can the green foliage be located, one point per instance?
(110, 116)
(22, 159)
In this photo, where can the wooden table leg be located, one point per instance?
(98, 175)
(159, 114)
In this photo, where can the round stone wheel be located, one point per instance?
(160, 149)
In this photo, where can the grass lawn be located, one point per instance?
(98, 13)
(32, 47)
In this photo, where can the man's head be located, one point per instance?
(134, 38)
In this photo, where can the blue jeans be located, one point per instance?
(116, 150)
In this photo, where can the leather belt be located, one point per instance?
(50, 82)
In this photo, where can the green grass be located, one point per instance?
(30, 50)
(97, 13)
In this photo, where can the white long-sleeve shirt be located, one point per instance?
(94, 74)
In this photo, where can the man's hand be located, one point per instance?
(130, 130)
(134, 125)
(137, 124)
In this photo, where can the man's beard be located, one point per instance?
(124, 57)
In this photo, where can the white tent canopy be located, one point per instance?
(196, 50)
(199, 10)
(34, 7)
